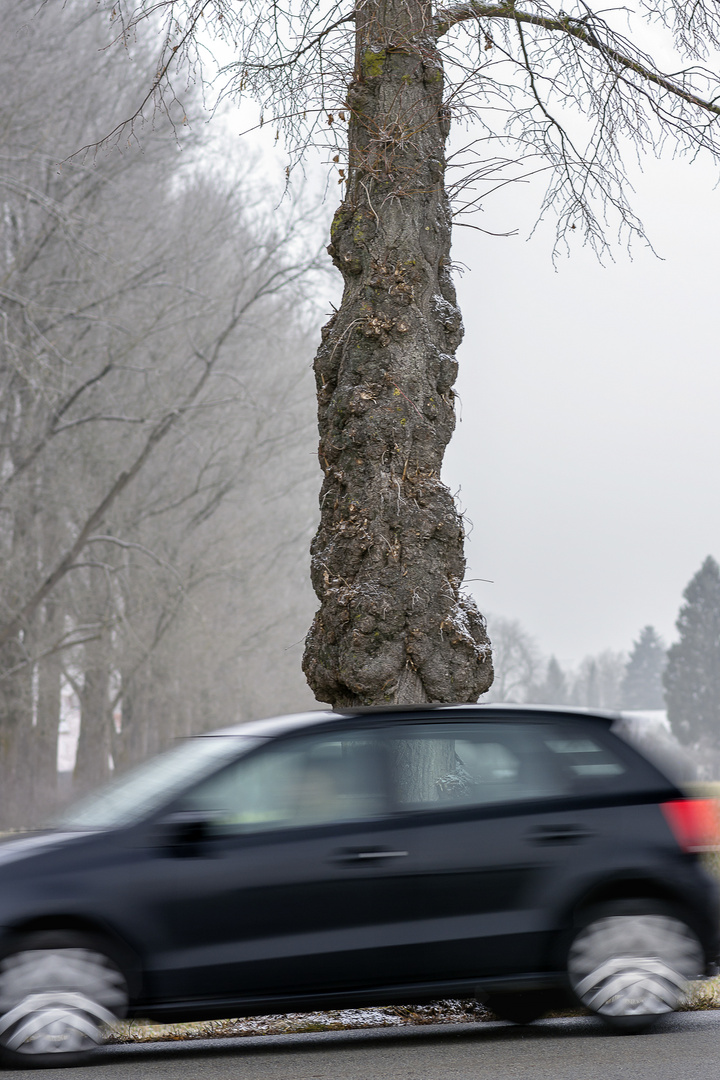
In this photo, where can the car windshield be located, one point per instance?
(155, 782)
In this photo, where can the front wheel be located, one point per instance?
(630, 960)
(57, 992)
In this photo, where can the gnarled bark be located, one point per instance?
(387, 560)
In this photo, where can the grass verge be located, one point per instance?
(440, 1012)
(701, 995)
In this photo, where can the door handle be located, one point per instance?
(352, 855)
(559, 834)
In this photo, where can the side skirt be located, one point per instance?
(417, 993)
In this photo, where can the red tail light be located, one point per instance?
(695, 823)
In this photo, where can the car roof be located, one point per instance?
(275, 726)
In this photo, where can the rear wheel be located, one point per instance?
(57, 993)
(630, 960)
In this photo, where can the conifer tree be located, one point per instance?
(692, 675)
(641, 687)
(553, 690)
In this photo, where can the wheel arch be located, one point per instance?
(621, 887)
(630, 887)
(104, 937)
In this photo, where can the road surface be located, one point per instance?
(684, 1047)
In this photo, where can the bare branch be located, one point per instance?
(125, 478)
(577, 28)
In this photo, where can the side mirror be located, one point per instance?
(184, 832)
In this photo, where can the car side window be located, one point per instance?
(583, 761)
(307, 781)
(471, 764)
(479, 764)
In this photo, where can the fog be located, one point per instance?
(587, 442)
(586, 452)
(587, 439)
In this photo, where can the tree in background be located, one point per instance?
(155, 423)
(692, 675)
(596, 685)
(516, 660)
(642, 687)
(567, 91)
(553, 690)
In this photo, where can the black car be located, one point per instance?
(519, 855)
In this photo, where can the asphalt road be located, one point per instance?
(684, 1047)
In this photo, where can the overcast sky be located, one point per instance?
(587, 450)
(589, 447)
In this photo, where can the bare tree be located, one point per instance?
(153, 387)
(516, 660)
(564, 91)
(553, 689)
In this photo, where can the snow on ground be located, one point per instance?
(440, 1012)
(704, 994)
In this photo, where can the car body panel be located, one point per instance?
(413, 904)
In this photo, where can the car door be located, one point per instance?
(290, 890)
(496, 818)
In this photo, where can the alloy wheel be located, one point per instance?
(56, 1001)
(633, 967)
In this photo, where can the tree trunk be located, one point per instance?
(419, 767)
(125, 749)
(15, 713)
(92, 765)
(149, 722)
(387, 560)
(19, 549)
(42, 758)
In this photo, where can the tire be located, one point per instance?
(521, 1007)
(629, 962)
(58, 990)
